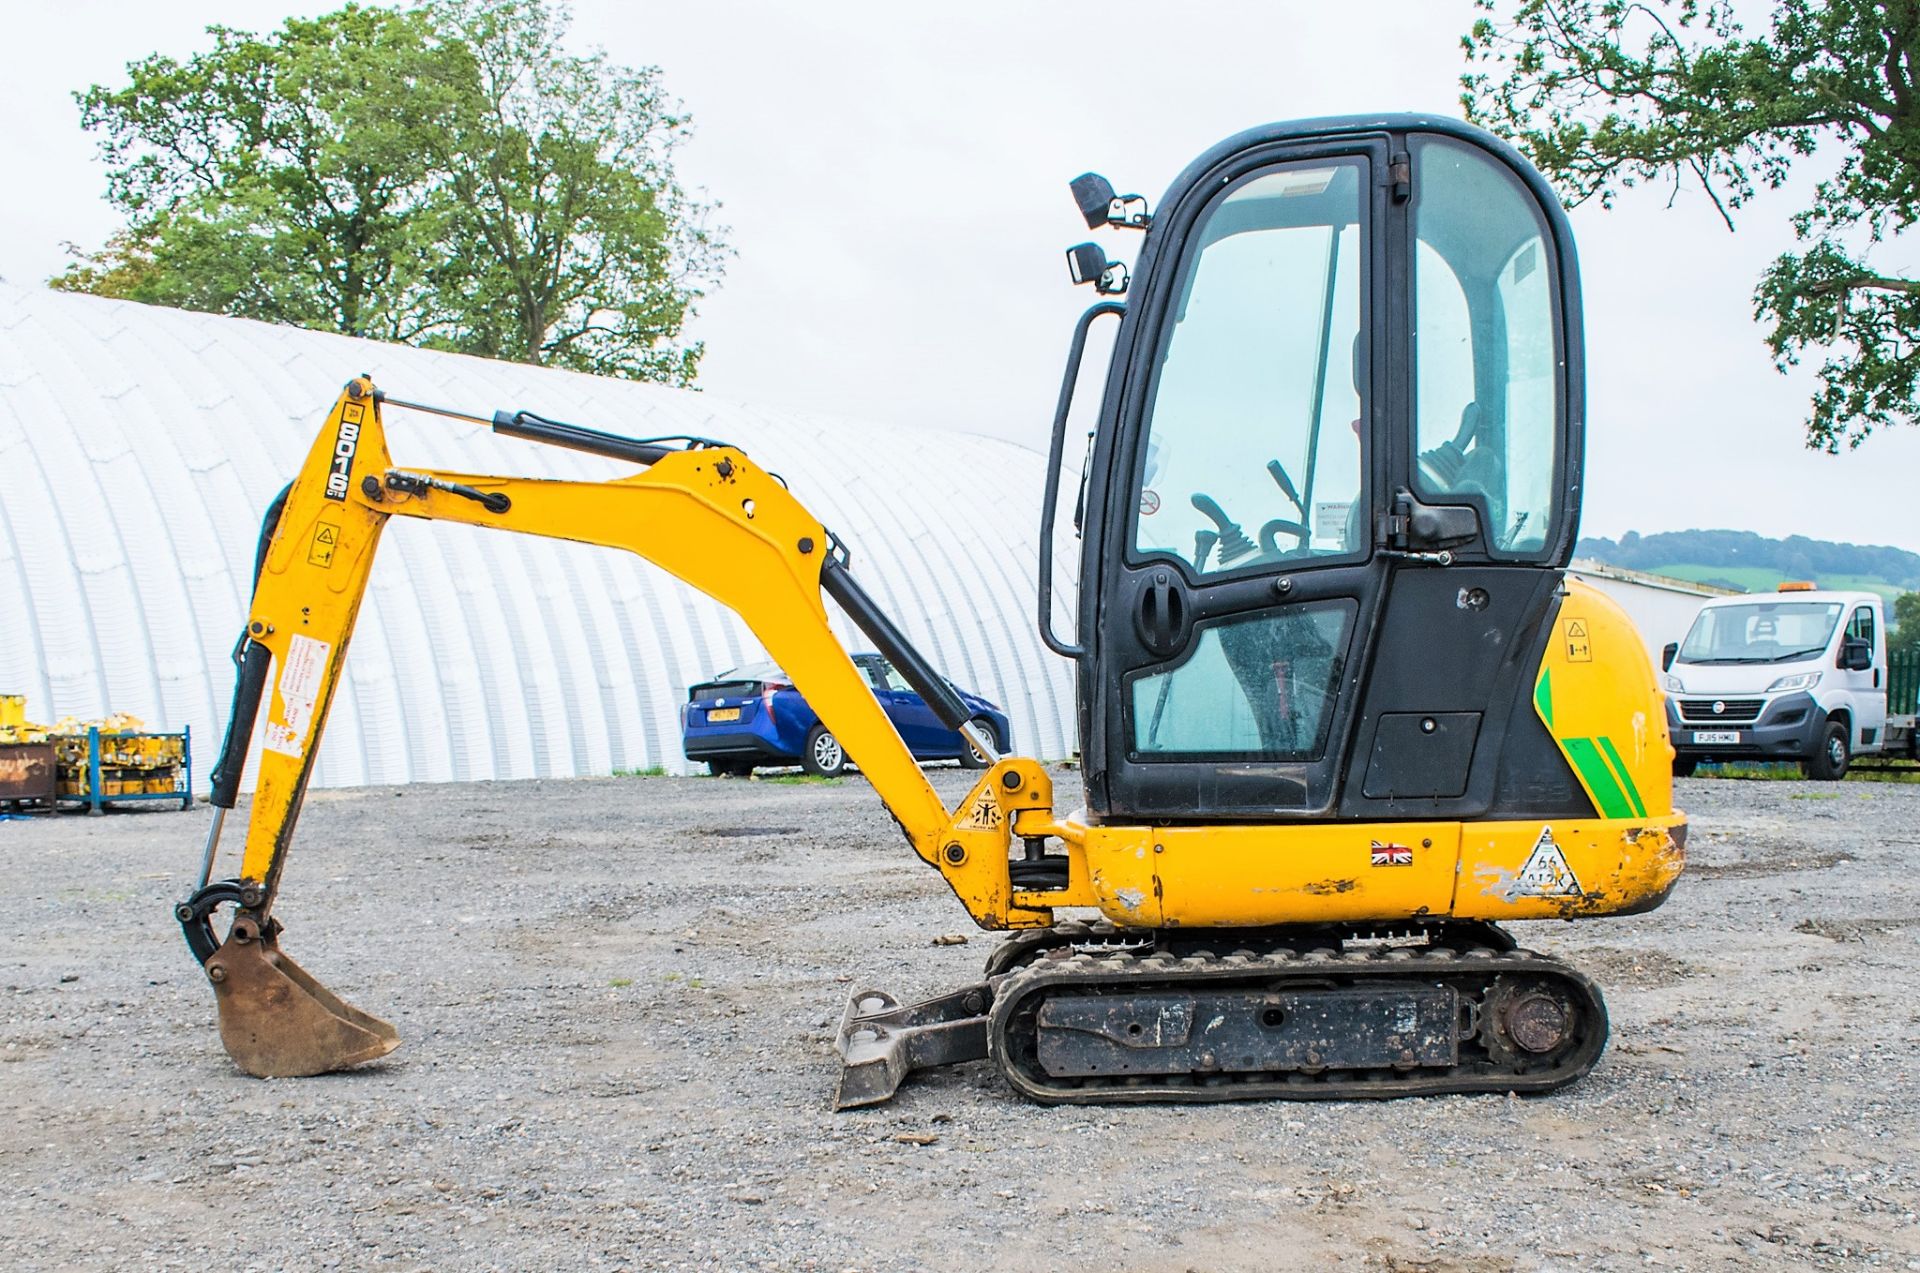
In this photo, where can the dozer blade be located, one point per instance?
(278, 1022)
(881, 1042)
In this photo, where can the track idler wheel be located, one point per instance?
(1529, 1021)
(276, 1020)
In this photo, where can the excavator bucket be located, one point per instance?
(277, 1021)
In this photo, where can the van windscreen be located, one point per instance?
(1761, 632)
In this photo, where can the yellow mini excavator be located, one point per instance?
(1341, 712)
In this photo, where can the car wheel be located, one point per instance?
(730, 768)
(1829, 764)
(1683, 766)
(970, 757)
(823, 756)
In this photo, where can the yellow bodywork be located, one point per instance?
(726, 527)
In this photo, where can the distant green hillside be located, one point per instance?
(1748, 562)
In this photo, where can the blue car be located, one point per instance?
(753, 716)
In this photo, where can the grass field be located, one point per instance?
(1766, 579)
(1790, 772)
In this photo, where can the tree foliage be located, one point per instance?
(1906, 623)
(446, 175)
(1794, 557)
(1604, 95)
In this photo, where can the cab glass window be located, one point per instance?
(1860, 627)
(1259, 687)
(1254, 443)
(1486, 345)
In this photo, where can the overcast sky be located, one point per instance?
(894, 176)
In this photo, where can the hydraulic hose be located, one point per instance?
(247, 691)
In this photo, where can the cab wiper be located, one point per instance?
(1796, 654)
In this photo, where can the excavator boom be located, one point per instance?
(706, 513)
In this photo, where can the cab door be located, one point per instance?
(1866, 686)
(1332, 484)
(1238, 577)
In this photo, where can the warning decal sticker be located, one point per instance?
(1330, 519)
(1546, 873)
(1579, 648)
(326, 538)
(300, 676)
(281, 739)
(983, 813)
(1392, 854)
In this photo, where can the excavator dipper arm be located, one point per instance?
(705, 513)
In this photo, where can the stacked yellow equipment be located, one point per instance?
(14, 725)
(133, 760)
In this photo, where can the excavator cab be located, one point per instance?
(1335, 476)
(1342, 714)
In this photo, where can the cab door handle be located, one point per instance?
(1161, 620)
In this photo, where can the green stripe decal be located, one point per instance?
(1543, 698)
(1598, 778)
(1626, 779)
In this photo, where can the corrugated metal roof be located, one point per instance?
(139, 447)
(1666, 583)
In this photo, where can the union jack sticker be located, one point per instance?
(1392, 854)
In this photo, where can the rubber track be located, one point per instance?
(1476, 974)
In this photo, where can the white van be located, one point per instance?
(1800, 674)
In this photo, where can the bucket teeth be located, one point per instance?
(881, 1042)
(278, 1022)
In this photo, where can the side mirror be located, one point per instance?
(1087, 263)
(1855, 655)
(1668, 655)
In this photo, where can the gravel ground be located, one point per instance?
(618, 1000)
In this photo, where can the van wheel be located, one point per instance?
(823, 756)
(970, 757)
(1829, 764)
(1683, 766)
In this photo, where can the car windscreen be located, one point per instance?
(1761, 632)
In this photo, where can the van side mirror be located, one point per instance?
(1668, 655)
(1855, 655)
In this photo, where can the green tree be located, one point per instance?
(1906, 623)
(563, 231)
(274, 178)
(1607, 94)
(446, 175)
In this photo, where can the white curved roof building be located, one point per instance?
(139, 447)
